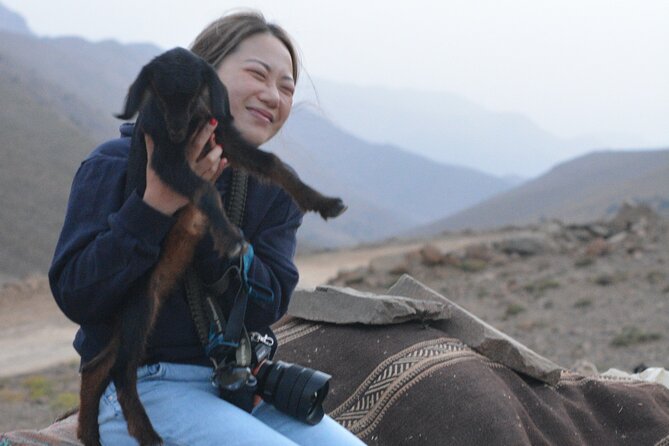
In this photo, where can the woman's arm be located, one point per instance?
(107, 242)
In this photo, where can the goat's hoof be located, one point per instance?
(238, 249)
(150, 439)
(89, 439)
(334, 207)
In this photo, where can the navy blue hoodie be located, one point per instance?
(108, 241)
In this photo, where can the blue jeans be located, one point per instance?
(185, 409)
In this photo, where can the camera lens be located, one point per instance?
(293, 389)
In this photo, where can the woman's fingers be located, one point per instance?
(201, 140)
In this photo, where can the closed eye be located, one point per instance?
(288, 90)
(258, 74)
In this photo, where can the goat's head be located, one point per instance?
(183, 86)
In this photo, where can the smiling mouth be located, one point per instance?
(262, 114)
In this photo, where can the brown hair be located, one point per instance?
(223, 36)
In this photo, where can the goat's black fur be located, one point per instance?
(176, 94)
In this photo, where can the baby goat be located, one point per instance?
(177, 93)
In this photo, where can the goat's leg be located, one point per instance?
(228, 240)
(177, 173)
(268, 166)
(139, 425)
(94, 381)
(139, 317)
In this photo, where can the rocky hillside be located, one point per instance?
(584, 189)
(595, 292)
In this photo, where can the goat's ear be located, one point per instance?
(137, 93)
(218, 94)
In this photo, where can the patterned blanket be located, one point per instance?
(411, 384)
(408, 384)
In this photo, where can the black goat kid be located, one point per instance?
(177, 93)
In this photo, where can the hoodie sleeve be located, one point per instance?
(272, 273)
(106, 242)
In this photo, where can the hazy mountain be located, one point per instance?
(57, 97)
(56, 100)
(444, 127)
(389, 189)
(584, 189)
(12, 22)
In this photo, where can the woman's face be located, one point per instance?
(259, 79)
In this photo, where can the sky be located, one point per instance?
(576, 67)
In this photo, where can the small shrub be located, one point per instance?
(38, 387)
(633, 335)
(583, 303)
(513, 310)
(610, 279)
(473, 265)
(583, 262)
(654, 277)
(539, 287)
(64, 401)
(10, 396)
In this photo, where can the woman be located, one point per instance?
(109, 240)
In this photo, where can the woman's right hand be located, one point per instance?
(207, 164)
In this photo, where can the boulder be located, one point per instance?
(597, 248)
(431, 255)
(348, 306)
(481, 336)
(524, 246)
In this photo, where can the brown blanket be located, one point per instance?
(408, 384)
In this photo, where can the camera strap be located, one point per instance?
(221, 336)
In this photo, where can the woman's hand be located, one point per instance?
(207, 164)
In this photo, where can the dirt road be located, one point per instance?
(34, 334)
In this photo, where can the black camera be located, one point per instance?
(295, 390)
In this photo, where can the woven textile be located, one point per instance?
(407, 384)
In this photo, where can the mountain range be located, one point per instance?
(592, 186)
(445, 127)
(58, 97)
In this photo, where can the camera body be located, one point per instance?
(295, 390)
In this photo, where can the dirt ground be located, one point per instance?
(578, 296)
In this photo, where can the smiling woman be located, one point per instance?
(258, 64)
(110, 240)
(259, 78)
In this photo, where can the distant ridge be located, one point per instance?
(12, 22)
(587, 188)
(388, 189)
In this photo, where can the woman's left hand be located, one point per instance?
(206, 164)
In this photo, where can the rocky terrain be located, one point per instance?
(588, 296)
